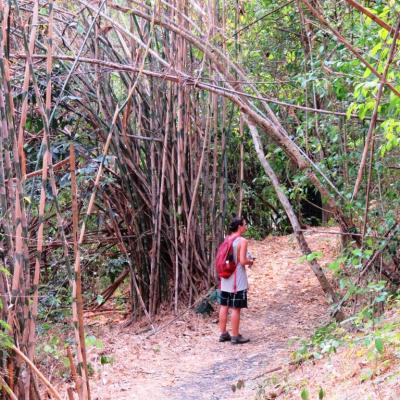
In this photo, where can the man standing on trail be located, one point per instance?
(233, 292)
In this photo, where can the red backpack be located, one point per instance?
(224, 261)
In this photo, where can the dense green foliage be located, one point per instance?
(303, 64)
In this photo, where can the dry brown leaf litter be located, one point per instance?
(186, 362)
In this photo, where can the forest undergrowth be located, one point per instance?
(337, 363)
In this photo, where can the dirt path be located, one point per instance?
(185, 361)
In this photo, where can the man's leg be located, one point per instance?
(236, 337)
(223, 318)
(235, 321)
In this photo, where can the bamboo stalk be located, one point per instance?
(189, 232)
(153, 251)
(42, 201)
(175, 225)
(74, 375)
(83, 388)
(24, 108)
(7, 389)
(215, 237)
(49, 386)
(163, 175)
(180, 149)
(38, 258)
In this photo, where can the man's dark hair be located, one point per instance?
(235, 223)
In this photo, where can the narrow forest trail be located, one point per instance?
(186, 362)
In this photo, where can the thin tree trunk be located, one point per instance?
(206, 134)
(180, 183)
(163, 174)
(213, 205)
(25, 87)
(153, 256)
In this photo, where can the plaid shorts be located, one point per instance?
(234, 300)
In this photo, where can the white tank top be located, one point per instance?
(228, 285)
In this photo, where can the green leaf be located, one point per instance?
(374, 50)
(105, 360)
(28, 124)
(304, 394)
(321, 393)
(4, 325)
(4, 271)
(43, 11)
(335, 265)
(353, 107)
(65, 361)
(92, 341)
(383, 33)
(367, 73)
(379, 345)
(357, 252)
(46, 326)
(315, 255)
